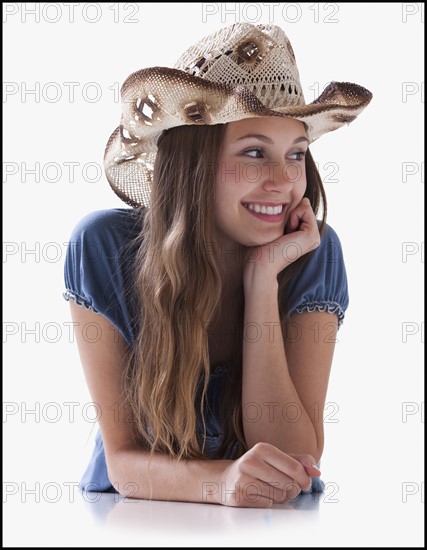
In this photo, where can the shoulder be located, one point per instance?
(329, 253)
(109, 222)
(99, 263)
(329, 238)
(322, 283)
(104, 234)
(328, 257)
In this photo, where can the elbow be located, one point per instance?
(114, 473)
(319, 447)
(318, 450)
(119, 473)
(317, 444)
(317, 455)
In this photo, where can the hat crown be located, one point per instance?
(259, 57)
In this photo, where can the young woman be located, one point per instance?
(217, 296)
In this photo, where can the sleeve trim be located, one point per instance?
(79, 300)
(328, 306)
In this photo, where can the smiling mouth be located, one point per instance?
(269, 210)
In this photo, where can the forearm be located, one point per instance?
(272, 409)
(171, 480)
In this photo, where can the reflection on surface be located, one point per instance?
(113, 510)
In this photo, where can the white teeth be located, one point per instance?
(269, 210)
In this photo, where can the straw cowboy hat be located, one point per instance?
(238, 72)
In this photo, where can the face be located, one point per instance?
(261, 178)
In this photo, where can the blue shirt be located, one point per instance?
(98, 275)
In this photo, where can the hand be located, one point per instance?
(265, 475)
(301, 236)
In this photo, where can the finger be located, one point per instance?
(288, 227)
(269, 466)
(251, 493)
(308, 224)
(273, 489)
(297, 215)
(283, 490)
(306, 209)
(286, 464)
(271, 482)
(309, 463)
(293, 491)
(292, 222)
(294, 216)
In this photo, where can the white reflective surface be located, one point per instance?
(334, 518)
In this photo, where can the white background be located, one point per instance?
(374, 452)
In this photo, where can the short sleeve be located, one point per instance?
(322, 284)
(98, 266)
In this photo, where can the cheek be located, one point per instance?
(221, 204)
(227, 209)
(300, 186)
(228, 193)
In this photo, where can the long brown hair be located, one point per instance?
(178, 286)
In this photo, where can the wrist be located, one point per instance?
(216, 493)
(260, 280)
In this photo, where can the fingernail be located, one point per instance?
(315, 467)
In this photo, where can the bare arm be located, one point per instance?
(127, 463)
(286, 390)
(257, 479)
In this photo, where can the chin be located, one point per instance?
(261, 241)
(270, 237)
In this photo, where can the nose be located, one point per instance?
(282, 176)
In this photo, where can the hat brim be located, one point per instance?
(159, 98)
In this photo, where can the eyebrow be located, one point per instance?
(266, 139)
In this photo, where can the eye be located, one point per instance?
(299, 154)
(256, 152)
